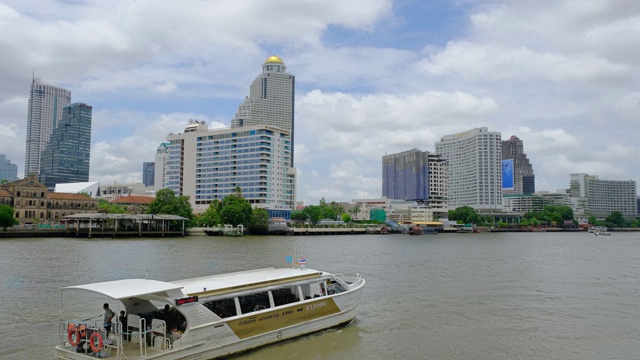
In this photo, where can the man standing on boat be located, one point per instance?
(108, 316)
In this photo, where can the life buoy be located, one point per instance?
(95, 348)
(71, 330)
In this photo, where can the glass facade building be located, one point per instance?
(148, 173)
(415, 175)
(46, 104)
(67, 155)
(8, 171)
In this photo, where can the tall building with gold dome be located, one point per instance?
(270, 101)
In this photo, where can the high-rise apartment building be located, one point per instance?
(8, 171)
(474, 168)
(46, 103)
(159, 168)
(524, 181)
(416, 175)
(593, 196)
(208, 165)
(148, 173)
(67, 154)
(271, 100)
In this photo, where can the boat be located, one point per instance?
(599, 231)
(210, 317)
(415, 230)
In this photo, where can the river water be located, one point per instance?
(447, 296)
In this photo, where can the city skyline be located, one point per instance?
(372, 78)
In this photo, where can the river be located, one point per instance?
(448, 296)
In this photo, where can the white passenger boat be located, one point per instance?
(212, 316)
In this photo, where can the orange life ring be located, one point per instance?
(71, 329)
(95, 348)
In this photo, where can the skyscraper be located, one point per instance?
(8, 171)
(67, 155)
(148, 173)
(159, 167)
(46, 103)
(474, 166)
(524, 181)
(415, 175)
(271, 99)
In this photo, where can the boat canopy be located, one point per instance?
(245, 280)
(128, 288)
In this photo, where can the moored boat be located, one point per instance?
(213, 316)
(415, 229)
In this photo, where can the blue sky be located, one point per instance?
(372, 76)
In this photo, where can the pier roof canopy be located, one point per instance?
(103, 216)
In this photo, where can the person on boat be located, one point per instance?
(108, 316)
(125, 329)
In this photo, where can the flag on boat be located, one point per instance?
(288, 259)
(302, 261)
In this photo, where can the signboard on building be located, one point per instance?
(507, 174)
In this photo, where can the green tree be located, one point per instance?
(346, 218)
(166, 202)
(466, 215)
(616, 219)
(104, 206)
(235, 210)
(314, 213)
(6, 217)
(298, 215)
(259, 221)
(211, 216)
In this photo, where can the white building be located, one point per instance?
(208, 165)
(271, 99)
(474, 166)
(115, 191)
(161, 157)
(597, 197)
(91, 188)
(46, 103)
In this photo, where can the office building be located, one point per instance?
(8, 171)
(159, 168)
(270, 101)
(523, 178)
(46, 104)
(474, 167)
(208, 165)
(416, 175)
(148, 173)
(67, 155)
(597, 197)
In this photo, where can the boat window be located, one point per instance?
(254, 302)
(335, 288)
(284, 296)
(223, 307)
(313, 290)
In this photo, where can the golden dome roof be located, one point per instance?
(274, 59)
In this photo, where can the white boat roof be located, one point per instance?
(244, 280)
(203, 286)
(127, 288)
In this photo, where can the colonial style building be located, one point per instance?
(34, 205)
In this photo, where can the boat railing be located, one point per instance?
(71, 327)
(350, 279)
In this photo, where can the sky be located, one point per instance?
(373, 77)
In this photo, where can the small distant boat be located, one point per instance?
(415, 230)
(599, 231)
